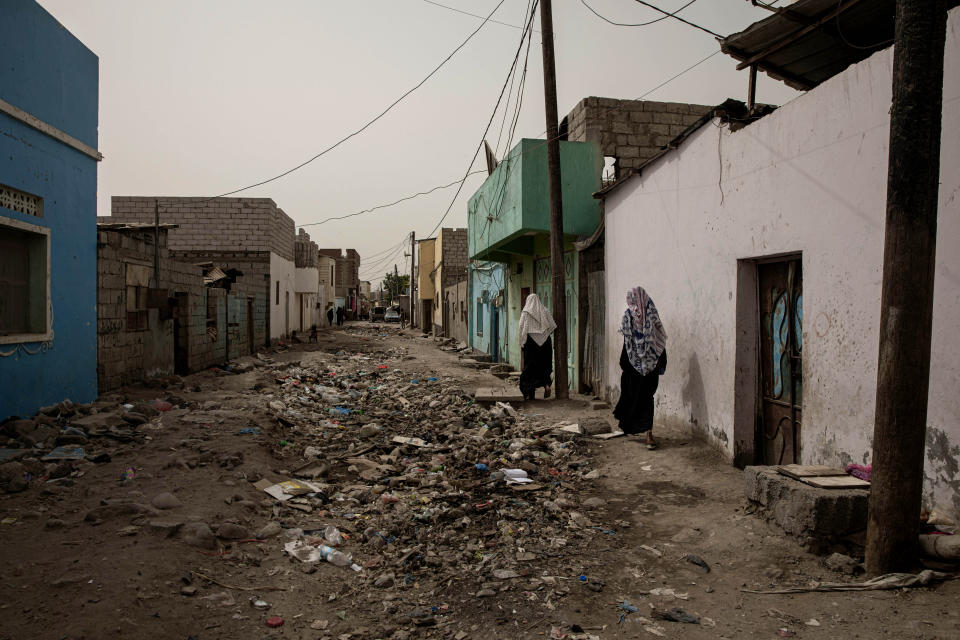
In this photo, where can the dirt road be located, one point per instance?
(173, 537)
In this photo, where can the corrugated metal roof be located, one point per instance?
(810, 41)
(213, 274)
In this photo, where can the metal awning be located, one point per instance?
(809, 41)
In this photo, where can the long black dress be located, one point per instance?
(537, 366)
(634, 410)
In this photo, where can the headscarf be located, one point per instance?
(535, 321)
(644, 337)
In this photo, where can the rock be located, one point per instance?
(188, 590)
(842, 564)
(594, 503)
(198, 534)
(486, 593)
(269, 530)
(592, 475)
(166, 500)
(231, 531)
(19, 428)
(39, 436)
(116, 510)
(128, 531)
(55, 523)
(594, 425)
(686, 535)
(165, 528)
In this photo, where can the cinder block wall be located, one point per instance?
(305, 251)
(454, 255)
(632, 131)
(217, 225)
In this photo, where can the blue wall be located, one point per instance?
(50, 74)
(489, 278)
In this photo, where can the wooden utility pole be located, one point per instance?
(558, 295)
(413, 286)
(906, 312)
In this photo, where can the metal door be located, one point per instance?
(781, 364)
(181, 337)
(494, 333)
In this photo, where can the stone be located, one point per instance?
(232, 531)
(594, 425)
(486, 593)
(164, 527)
(198, 534)
(269, 530)
(188, 590)
(55, 523)
(841, 563)
(19, 428)
(134, 418)
(39, 436)
(384, 580)
(594, 502)
(166, 500)
(116, 510)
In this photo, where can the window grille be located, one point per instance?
(20, 201)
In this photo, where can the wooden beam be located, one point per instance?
(32, 121)
(796, 35)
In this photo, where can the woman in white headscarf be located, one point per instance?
(642, 361)
(536, 326)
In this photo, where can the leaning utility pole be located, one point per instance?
(558, 293)
(906, 311)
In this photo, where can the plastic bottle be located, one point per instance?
(334, 556)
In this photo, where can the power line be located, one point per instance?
(467, 13)
(636, 24)
(380, 115)
(386, 259)
(676, 17)
(516, 58)
(389, 204)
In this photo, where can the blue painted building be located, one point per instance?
(48, 193)
(487, 320)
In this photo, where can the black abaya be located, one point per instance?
(537, 366)
(635, 407)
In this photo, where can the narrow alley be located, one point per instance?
(160, 516)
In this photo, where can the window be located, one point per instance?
(21, 201)
(211, 315)
(278, 292)
(137, 280)
(24, 282)
(479, 316)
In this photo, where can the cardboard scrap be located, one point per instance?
(416, 442)
(283, 491)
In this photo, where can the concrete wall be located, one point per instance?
(326, 271)
(632, 131)
(283, 300)
(808, 178)
(457, 310)
(487, 280)
(214, 226)
(307, 287)
(426, 256)
(50, 74)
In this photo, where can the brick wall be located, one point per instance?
(632, 131)
(220, 224)
(305, 251)
(454, 248)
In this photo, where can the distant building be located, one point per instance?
(252, 235)
(442, 262)
(306, 282)
(327, 272)
(347, 279)
(48, 196)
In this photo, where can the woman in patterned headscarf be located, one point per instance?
(643, 360)
(536, 325)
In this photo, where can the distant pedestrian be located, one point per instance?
(339, 316)
(330, 317)
(536, 326)
(643, 360)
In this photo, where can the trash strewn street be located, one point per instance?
(354, 488)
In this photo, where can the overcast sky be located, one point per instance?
(198, 98)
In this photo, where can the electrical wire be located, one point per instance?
(852, 45)
(384, 206)
(368, 124)
(467, 13)
(378, 264)
(384, 256)
(676, 17)
(516, 58)
(637, 24)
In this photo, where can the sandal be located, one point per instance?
(651, 444)
(546, 392)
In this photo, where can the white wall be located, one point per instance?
(809, 178)
(285, 271)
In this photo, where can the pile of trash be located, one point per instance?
(57, 444)
(409, 482)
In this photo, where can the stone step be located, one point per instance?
(497, 394)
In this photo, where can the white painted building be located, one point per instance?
(283, 298)
(710, 229)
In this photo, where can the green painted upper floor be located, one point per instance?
(513, 204)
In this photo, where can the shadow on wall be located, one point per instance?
(694, 395)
